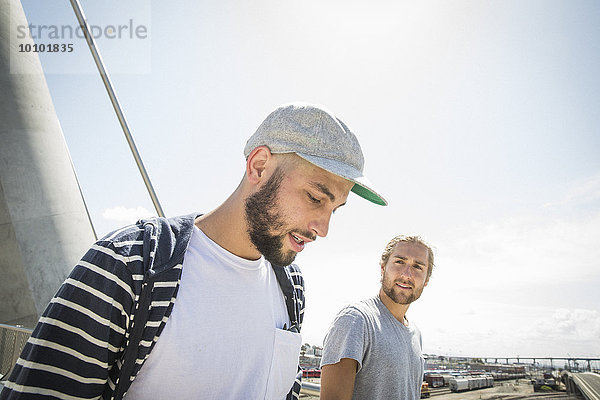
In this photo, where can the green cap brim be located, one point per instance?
(368, 195)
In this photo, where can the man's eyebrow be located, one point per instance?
(323, 189)
(416, 261)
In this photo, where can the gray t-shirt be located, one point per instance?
(390, 362)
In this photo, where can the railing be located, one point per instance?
(12, 341)
(313, 389)
(586, 384)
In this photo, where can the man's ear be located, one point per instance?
(256, 163)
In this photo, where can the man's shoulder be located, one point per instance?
(363, 311)
(162, 238)
(175, 225)
(128, 233)
(364, 307)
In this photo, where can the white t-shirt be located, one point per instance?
(224, 338)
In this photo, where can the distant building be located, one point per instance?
(310, 361)
(310, 357)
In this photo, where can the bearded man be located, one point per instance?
(371, 351)
(114, 326)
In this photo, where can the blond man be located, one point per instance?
(371, 350)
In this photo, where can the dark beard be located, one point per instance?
(263, 217)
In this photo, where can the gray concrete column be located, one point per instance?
(44, 225)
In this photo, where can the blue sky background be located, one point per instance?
(478, 120)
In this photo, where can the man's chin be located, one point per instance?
(398, 298)
(281, 259)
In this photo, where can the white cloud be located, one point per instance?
(497, 330)
(125, 215)
(584, 191)
(576, 332)
(566, 324)
(522, 250)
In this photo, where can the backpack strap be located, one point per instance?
(292, 301)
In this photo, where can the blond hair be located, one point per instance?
(385, 256)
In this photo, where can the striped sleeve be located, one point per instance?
(294, 394)
(73, 350)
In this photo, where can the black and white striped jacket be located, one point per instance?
(105, 319)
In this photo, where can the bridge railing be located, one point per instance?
(12, 341)
(585, 384)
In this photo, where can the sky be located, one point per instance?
(478, 121)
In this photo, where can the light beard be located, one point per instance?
(388, 288)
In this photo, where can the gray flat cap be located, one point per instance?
(319, 137)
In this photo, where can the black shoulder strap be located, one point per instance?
(287, 287)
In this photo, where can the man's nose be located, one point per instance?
(320, 224)
(407, 272)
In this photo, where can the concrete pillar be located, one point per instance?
(44, 225)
